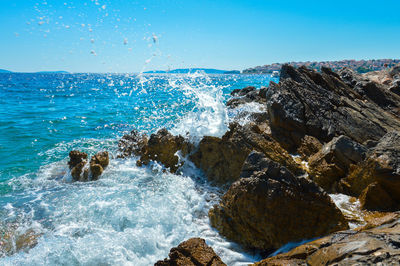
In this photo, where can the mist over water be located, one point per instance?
(132, 215)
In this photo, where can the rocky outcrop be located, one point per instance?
(192, 252)
(377, 246)
(333, 161)
(270, 207)
(79, 169)
(246, 95)
(222, 158)
(326, 105)
(381, 167)
(309, 146)
(162, 147)
(131, 144)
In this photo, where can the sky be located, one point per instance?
(128, 36)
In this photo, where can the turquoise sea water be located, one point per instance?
(132, 215)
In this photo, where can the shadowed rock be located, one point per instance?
(192, 252)
(377, 246)
(270, 207)
(132, 144)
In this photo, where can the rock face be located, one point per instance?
(192, 252)
(222, 158)
(162, 147)
(381, 167)
(270, 207)
(78, 161)
(332, 162)
(326, 105)
(377, 246)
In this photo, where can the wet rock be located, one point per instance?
(326, 105)
(98, 163)
(245, 95)
(382, 165)
(133, 143)
(222, 159)
(375, 198)
(77, 161)
(192, 252)
(332, 162)
(80, 169)
(162, 147)
(377, 246)
(270, 207)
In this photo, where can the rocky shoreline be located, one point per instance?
(321, 132)
(344, 126)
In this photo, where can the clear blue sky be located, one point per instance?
(131, 36)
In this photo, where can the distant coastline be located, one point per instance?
(39, 72)
(361, 66)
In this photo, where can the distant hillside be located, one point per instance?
(52, 72)
(192, 70)
(361, 66)
(5, 71)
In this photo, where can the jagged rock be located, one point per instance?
(382, 165)
(79, 170)
(77, 162)
(270, 207)
(332, 162)
(192, 252)
(377, 246)
(221, 159)
(246, 95)
(162, 147)
(309, 146)
(98, 163)
(132, 144)
(325, 105)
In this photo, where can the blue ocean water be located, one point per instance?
(132, 215)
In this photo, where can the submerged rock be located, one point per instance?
(270, 207)
(382, 166)
(333, 161)
(192, 252)
(222, 158)
(13, 240)
(326, 105)
(377, 246)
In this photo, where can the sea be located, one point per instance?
(132, 215)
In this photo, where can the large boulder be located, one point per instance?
(270, 207)
(192, 252)
(325, 105)
(222, 158)
(376, 246)
(333, 161)
(162, 147)
(382, 166)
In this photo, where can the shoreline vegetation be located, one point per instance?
(323, 132)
